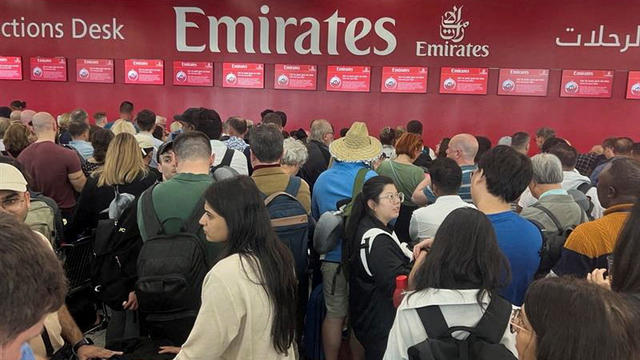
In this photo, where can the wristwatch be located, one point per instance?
(81, 343)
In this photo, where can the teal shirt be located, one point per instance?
(174, 201)
(555, 192)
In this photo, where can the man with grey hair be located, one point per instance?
(520, 142)
(294, 156)
(544, 134)
(319, 140)
(554, 204)
(462, 149)
(56, 171)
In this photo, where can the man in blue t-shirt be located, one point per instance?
(502, 176)
(350, 153)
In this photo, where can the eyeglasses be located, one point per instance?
(394, 197)
(517, 323)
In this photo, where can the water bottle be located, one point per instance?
(402, 282)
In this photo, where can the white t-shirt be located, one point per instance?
(238, 161)
(459, 308)
(426, 221)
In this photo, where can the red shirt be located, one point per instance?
(49, 166)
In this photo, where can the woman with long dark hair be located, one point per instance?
(568, 318)
(461, 274)
(248, 298)
(374, 258)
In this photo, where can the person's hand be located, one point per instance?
(131, 303)
(169, 350)
(87, 352)
(597, 277)
(422, 245)
(416, 267)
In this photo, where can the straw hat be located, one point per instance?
(356, 145)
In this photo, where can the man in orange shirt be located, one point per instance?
(589, 244)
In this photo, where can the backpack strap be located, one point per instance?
(228, 156)
(271, 197)
(293, 186)
(359, 182)
(553, 218)
(493, 323)
(152, 223)
(290, 220)
(192, 223)
(584, 187)
(433, 321)
(366, 244)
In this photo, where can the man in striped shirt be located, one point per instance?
(462, 149)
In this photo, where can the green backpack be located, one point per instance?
(42, 218)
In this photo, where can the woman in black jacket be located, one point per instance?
(125, 172)
(374, 257)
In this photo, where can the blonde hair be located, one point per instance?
(123, 162)
(123, 126)
(175, 126)
(64, 120)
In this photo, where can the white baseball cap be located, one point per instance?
(12, 179)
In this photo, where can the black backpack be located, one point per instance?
(116, 245)
(171, 267)
(552, 241)
(291, 222)
(225, 163)
(483, 342)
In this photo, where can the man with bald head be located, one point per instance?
(619, 147)
(26, 117)
(462, 149)
(55, 170)
(589, 244)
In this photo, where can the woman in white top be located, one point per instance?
(248, 298)
(460, 274)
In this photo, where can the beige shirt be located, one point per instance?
(235, 318)
(51, 324)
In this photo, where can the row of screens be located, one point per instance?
(394, 79)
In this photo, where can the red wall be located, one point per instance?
(520, 34)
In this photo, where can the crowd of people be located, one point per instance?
(217, 239)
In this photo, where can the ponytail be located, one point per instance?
(359, 209)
